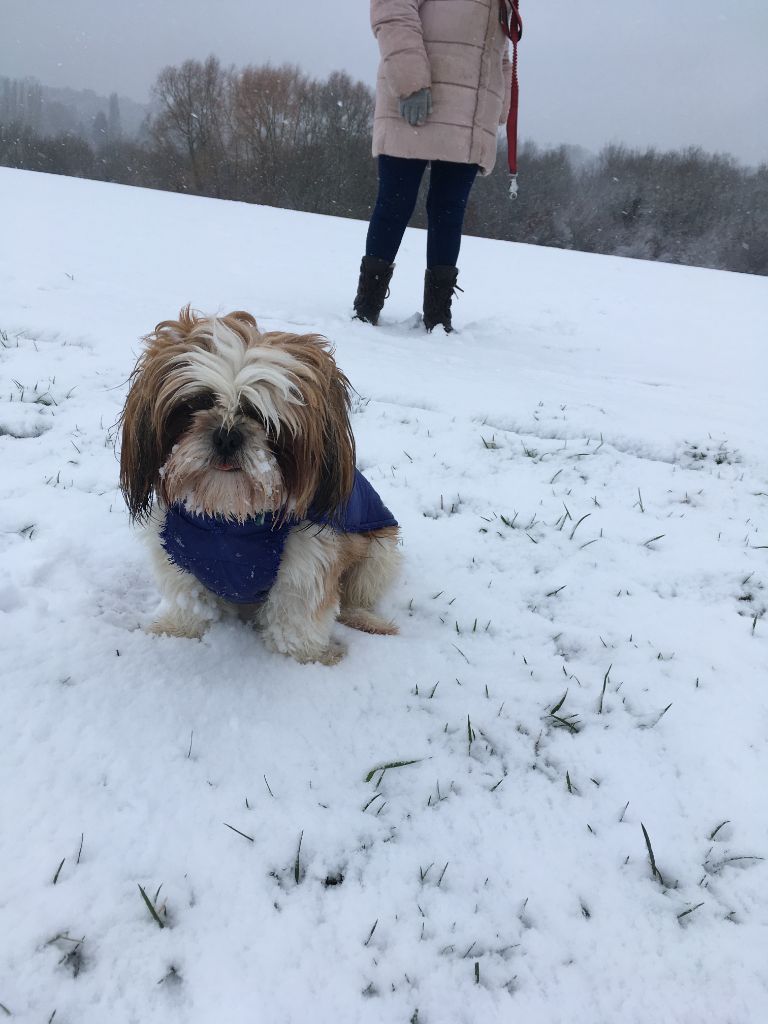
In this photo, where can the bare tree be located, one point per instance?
(270, 119)
(192, 118)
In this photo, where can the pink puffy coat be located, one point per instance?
(456, 48)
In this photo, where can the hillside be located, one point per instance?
(581, 477)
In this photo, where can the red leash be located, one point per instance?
(513, 29)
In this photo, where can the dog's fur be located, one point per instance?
(285, 396)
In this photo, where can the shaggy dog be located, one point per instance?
(238, 456)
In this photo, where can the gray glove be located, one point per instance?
(417, 107)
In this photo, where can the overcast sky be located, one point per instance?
(668, 73)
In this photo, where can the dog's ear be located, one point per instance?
(140, 450)
(337, 470)
(318, 460)
(143, 421)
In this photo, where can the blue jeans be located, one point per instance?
(399, 180)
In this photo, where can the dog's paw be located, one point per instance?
(173, 625)
(332, 654)
(367, 622)
(306, 654)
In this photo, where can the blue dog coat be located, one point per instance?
(240, 561)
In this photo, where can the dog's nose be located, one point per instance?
(226, 441)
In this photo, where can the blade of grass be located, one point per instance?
(559, 704)
(249, 838)
(714, 833)
(150, 908)
(578, 524)
(654, 870)
(602, 694)
(370, 933)
(689, 911)
(392, 764)
(647, 543)
(297, 865)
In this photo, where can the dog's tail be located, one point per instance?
(367, 622)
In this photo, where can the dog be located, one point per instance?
(238, 456)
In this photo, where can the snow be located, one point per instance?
(581, 476)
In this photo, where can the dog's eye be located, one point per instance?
(180, 417)
(197, 403)
(252, 412)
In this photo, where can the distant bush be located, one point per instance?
(273, 135)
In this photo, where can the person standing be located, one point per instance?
(443, 88)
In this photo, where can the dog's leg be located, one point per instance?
(367, 578)
(187, 609)
(302, 606)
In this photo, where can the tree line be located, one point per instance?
(274, 135)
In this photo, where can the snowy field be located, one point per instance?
(581, 476)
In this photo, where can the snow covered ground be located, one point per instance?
(581, 476)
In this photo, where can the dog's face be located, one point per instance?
(233, 422)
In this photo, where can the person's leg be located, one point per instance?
(399, 181)
(449, 188)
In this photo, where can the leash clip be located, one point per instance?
(513, 186)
